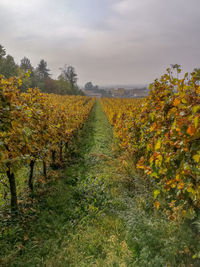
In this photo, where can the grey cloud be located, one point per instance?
(108, 41)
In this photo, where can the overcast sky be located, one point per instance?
(107, 41)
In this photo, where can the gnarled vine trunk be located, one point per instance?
(30, 182)
(13, 191)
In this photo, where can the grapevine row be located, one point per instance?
(162, 135)
(33, 126)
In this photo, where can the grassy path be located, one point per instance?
(76, 223)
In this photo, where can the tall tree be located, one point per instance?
(2, 59)
(89, 86)
(68, 73)
(26, 64)
(42, 70)
(2, 52)
(8, 67)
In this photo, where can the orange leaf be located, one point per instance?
(191, 130)
(180, 185)
(157, 204)
(176, 102)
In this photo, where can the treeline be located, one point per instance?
(39, 76)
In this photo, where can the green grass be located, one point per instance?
(89, 215)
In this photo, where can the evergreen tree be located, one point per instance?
(42, 70)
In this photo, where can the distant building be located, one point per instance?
(129, 93)
(119, 92)
(91, 93)
(143, 92)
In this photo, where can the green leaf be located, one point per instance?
(196, 119)
(156, 193)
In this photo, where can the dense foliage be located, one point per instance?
(34, 126)
(162, 133)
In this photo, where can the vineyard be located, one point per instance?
(128, 192)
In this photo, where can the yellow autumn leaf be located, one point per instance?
(196, 119)
(177, 178)
(154, 174)
(196, 108)
(156, 193)
(196, 158)
(153, 126)
(151, 159)
(184, 101)
(173, 185)
(158, 144)
(190, 189)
